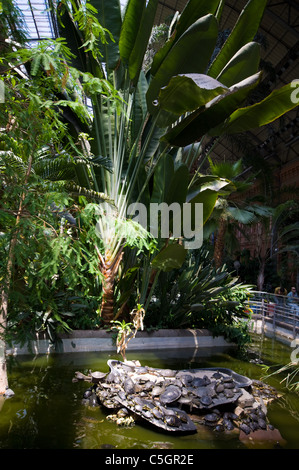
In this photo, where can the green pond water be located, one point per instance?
(47, 412)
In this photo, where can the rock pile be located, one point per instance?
(179, 400)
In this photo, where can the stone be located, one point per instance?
(239, 411)
(246, 399)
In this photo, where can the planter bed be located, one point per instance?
(101, 340)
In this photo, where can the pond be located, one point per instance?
(47, 412)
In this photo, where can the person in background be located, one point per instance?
(279, 293)
(293, 300)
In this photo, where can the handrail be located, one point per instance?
(278, 309)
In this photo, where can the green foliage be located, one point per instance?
(289, 372)
(119, 154)
(56, 281)
(199, 296)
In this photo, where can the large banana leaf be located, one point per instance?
(69, 31)
(188, 92)
(244, 63)
(182, 58)
(130, 27)
(170, 185)
(205, 196)
(193, 10)
(272, 107)
(145, 28)
(135, 33)
(171, 257)
(201, 121)
(243, 32)
(109, 15)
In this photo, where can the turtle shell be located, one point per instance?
(97, 376)
(211, 417)
(198, 382)
(206, 400)
(156, 391)
(172, 393)
(129, 386)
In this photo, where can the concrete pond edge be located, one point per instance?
(102, 340)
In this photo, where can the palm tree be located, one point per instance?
(231, 210)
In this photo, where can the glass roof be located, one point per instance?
(37, 18)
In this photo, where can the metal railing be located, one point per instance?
(280, 310)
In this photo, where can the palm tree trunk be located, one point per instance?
(3, 324)
(6, 287)
(261, 274)
(109, 270)
(219, 244)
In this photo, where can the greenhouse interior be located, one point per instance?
(149, 227)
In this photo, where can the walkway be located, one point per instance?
(275, 312)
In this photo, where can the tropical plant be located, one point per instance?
(125, 330)
(198, 295)
(31, 209)
(231, 210)
(189, 95)
(281, 232)
(193, 95)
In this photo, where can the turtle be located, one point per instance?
(171, 394)
(97, 376)
(147, 414)
(112, 378)
(138, 400)
(182, 415)
(141, 370)
(228, 424)
(186, 379)
(253, 426)
(211, 418)
(138, 408)
(148, 385)
(228, 392)
(217, 375)
(122, 395)
(219, 388)
(168, 372)
(173, 421)
(206, 400)
(88, 392)
(245, 428)
(187, 400)
(199, 391)
(198, 382)
(93, 400)
(157, 413)
(156, 391)
(227, 379)
(219, 428)
(207, 380)
(129, 385)
(103, 394)
(230, 384)
(260, 413)
(262, 423)
(230, 415)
